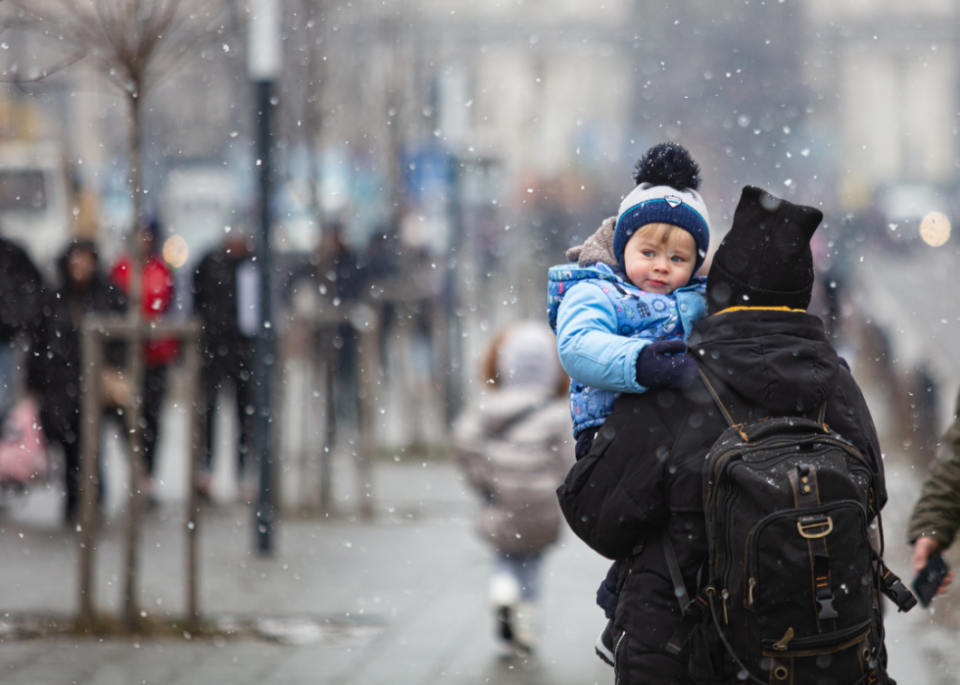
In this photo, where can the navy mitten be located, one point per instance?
(608, 594)
(665, 364)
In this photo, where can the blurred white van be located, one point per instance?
(35, 200)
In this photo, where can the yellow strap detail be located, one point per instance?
(769, 309)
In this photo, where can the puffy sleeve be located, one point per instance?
(591, 349)
(937, 513)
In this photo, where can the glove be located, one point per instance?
(665, 364)
(608, 594)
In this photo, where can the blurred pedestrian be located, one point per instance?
(54, 370)
(342, 278)
(341, 271)
(21, 293)
(936, 516)
(226, 296)
(515, 447)
(156, 295)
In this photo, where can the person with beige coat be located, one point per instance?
(515, 447)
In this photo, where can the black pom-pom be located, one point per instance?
(668, 164)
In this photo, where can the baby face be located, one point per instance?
(658, 260)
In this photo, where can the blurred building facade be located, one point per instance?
(486, 137)
(886, 75)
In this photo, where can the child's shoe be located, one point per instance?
(606, 644)
(524, 630)
(504, 598)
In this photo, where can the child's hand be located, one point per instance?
(665, 364)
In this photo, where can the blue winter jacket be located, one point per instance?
(602, 322)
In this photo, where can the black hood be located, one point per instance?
(780, 360)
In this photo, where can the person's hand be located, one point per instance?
(665, 364)
(922, 549)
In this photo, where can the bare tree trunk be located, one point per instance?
(396, 98)
(135, 366)
(316, 71)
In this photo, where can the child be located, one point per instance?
(515, 448)
(623, 313)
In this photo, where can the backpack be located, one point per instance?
(789, 592)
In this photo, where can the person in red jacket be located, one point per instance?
(156, 293)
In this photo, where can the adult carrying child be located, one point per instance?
(639, 493)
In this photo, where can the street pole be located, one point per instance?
(264, 63)
(453, 389)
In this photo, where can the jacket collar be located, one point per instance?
(780, 360)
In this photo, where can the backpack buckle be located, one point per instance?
(823, 593)
(825, 604)
(691, 617)
(894, 588)
(807, 524)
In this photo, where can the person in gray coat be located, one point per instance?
(515, 447)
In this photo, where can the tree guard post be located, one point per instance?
(91, 347)
(328, 354)
(195, 409)
(364, 320)
(95, 330)
(132, 413)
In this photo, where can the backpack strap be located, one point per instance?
(679, 587)
(692, 610)
(519, 418)
(733, 406)
(691, 617)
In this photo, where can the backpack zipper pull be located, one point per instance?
(753, 584)
(784, 641)
(726, 596)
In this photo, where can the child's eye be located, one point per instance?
(647, 253)
(677, 258)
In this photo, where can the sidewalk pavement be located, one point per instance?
(399, 600)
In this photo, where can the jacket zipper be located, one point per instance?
(822, 644)
(616, 651)
(751, 582)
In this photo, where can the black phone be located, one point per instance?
(927, 582)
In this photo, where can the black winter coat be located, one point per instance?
(54, 366)
(21, 290)
(643, 474)
(215, 298)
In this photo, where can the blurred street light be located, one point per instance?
(265, 61)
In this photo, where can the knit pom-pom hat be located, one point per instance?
(667, 180)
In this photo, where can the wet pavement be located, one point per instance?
(398, 600)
